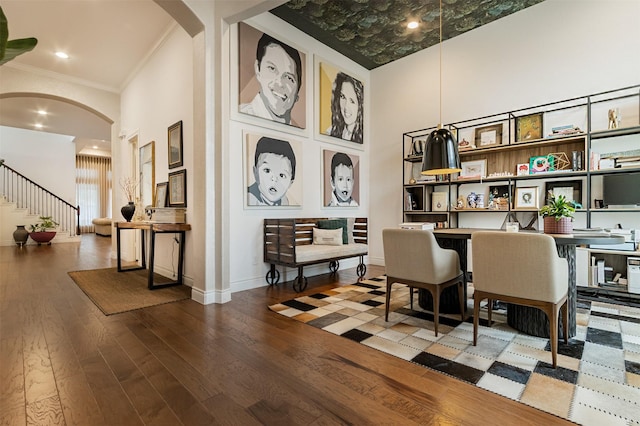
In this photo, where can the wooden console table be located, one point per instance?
(153, 228)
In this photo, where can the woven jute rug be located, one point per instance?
(597, 381)
(116, 292)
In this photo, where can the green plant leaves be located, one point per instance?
(9, 49)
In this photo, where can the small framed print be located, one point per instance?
(161, 194)
(440, 201)
(526, 197)
(541, 164)
(473, 169)
(522, 169)
(571, 189)
(175, 145)
(489, 136)
(177, 191)
(529, 127)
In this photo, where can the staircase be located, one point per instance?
(23, 201)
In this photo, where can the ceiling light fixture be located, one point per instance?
(62, 55)
(441, 153)
(42, 112)
(38, 125)
(412, 25)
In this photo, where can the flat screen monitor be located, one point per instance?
(621, 189)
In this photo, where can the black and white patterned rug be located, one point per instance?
(597, 381)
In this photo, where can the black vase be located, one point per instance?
(20, 235)
(128, 211)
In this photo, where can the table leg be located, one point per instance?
(119, 256)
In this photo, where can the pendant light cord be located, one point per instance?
(440, 125)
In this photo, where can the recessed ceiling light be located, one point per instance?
(412, 25)
(95, 147)
(38, 125)
(42, 112)
(62, 55)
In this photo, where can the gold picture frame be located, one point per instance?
(526, 197)
(487, 136)
(529, 127)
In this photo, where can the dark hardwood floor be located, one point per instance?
(63, 362)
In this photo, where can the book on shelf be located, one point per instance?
(424, 226)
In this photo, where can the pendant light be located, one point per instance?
(441, 153)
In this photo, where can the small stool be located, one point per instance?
(102, 226)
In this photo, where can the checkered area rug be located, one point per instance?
(597, 381)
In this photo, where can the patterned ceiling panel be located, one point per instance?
(374, 32)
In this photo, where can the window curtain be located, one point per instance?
(93, 189)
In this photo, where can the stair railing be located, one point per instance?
(26, 194)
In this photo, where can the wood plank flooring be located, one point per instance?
(63, 362)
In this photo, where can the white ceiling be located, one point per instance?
(107, 40)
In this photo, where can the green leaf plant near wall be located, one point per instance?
(9, 49)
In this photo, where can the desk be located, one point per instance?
(153, 228)
(528, 320)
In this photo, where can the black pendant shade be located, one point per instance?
(441, 154)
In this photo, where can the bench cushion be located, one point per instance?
(329, 237)
(336, 224)
(313, 252)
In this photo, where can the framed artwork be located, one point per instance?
(522, 169)
(529, 127)
(473, 169)
(177, 189)
(417, 146)
(571, 189)
(272, 177)
(175, 145)
(526, 197)
(541, 164)
(341, 179)
(341, 108)
(161, 194)
(489, 136)
(464, 145)
(272, 78)
(439, 201)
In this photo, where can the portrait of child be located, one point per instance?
(272, 177)
(341, 179)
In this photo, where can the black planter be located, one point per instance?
(128, 211)
(20, 235)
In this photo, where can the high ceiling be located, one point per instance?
(374, 32)
(108, 40)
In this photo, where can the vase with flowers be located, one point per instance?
(129, 186)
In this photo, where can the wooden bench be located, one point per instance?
(289, 242)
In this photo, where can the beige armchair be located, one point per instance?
(524, 269)
(414, 258)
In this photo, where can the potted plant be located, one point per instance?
(41, 232)
(558, 214)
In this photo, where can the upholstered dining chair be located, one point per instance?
(413, 257)
(524, 269)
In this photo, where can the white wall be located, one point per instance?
(245, 225)
(159, 95)
(47, 159)
(552, 51)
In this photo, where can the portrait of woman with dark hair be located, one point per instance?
(347, 98)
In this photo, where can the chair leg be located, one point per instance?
(388, 296)
(476, 315)
(553, 333)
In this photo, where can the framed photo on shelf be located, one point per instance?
(177, 189)
(439, 201)
(541, 164)
(161, 194)
(489, 135)
(522, 169)
(473, 169)
(526, 197)
(571, 189)
(529, 127)
(175, 145)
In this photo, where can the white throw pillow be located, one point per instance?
(327, 237)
